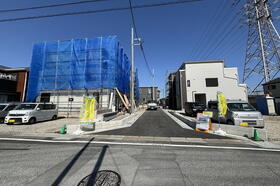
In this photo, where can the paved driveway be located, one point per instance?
(159, 124)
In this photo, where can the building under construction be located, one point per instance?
(63, 72)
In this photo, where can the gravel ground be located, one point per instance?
(45, 128)
(272, 125)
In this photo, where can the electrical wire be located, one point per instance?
(214, 31)
(136, 33)
(97, 11)
(222, 38)
(51, 6)
(194, 52)
(219, 32)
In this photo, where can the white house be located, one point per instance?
(201, 80)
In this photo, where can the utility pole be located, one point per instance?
(262, 62)
(134, 41)
(153, 88)
(132, 73)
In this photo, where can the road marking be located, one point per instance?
(144, 144)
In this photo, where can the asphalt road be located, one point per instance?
(26, 163)
(157, 123)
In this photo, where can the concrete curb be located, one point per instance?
(140, 144)
(245, 130)
(233, 130)
(241, 131)
(261, 144)
(116, 124)
(179, 122)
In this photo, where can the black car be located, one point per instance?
(192, 108)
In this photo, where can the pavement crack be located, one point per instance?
(183, 174)
(272, 171)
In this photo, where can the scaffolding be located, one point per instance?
(67, 70)
(82, 64)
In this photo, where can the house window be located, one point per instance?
(273, 86)
(188, 83)
(211, 82)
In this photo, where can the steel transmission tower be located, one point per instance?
(262, 61)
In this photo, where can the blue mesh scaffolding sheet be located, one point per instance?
(78, 64)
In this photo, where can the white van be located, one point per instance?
(31, 113)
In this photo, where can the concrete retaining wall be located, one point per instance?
(241, 131)
(229, 129)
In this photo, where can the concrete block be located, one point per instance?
(241, 131)
(72, 128)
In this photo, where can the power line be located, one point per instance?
(97, 11)
(133, 18)
(196, 49)
(226, 33)
(51, 6)
(217, 32)
(136, 33)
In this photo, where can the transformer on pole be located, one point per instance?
(262, 61)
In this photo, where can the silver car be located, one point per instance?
(5, 108)
(238, 113)
(32, 113)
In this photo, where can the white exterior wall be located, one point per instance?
(72, 108)
(227, 80)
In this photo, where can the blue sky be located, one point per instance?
(205, 30)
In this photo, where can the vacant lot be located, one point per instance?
(46, 128)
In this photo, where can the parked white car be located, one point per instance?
(32, 113)
(152, 105)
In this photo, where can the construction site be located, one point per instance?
(62, 72)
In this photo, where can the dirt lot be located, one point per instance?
(46, 128)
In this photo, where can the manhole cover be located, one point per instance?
(103, 178)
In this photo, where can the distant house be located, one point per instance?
(272, 88)
(199, 81)
(148, 94)
(170, 91)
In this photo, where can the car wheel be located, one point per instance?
(1, 120)
(230, 122)
(54, 117)
(32, 120)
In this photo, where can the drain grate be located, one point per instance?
(102, 178)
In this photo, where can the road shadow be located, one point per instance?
(92, 177)
(71, 164)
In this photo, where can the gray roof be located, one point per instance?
(9, 69)
(3, 67)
